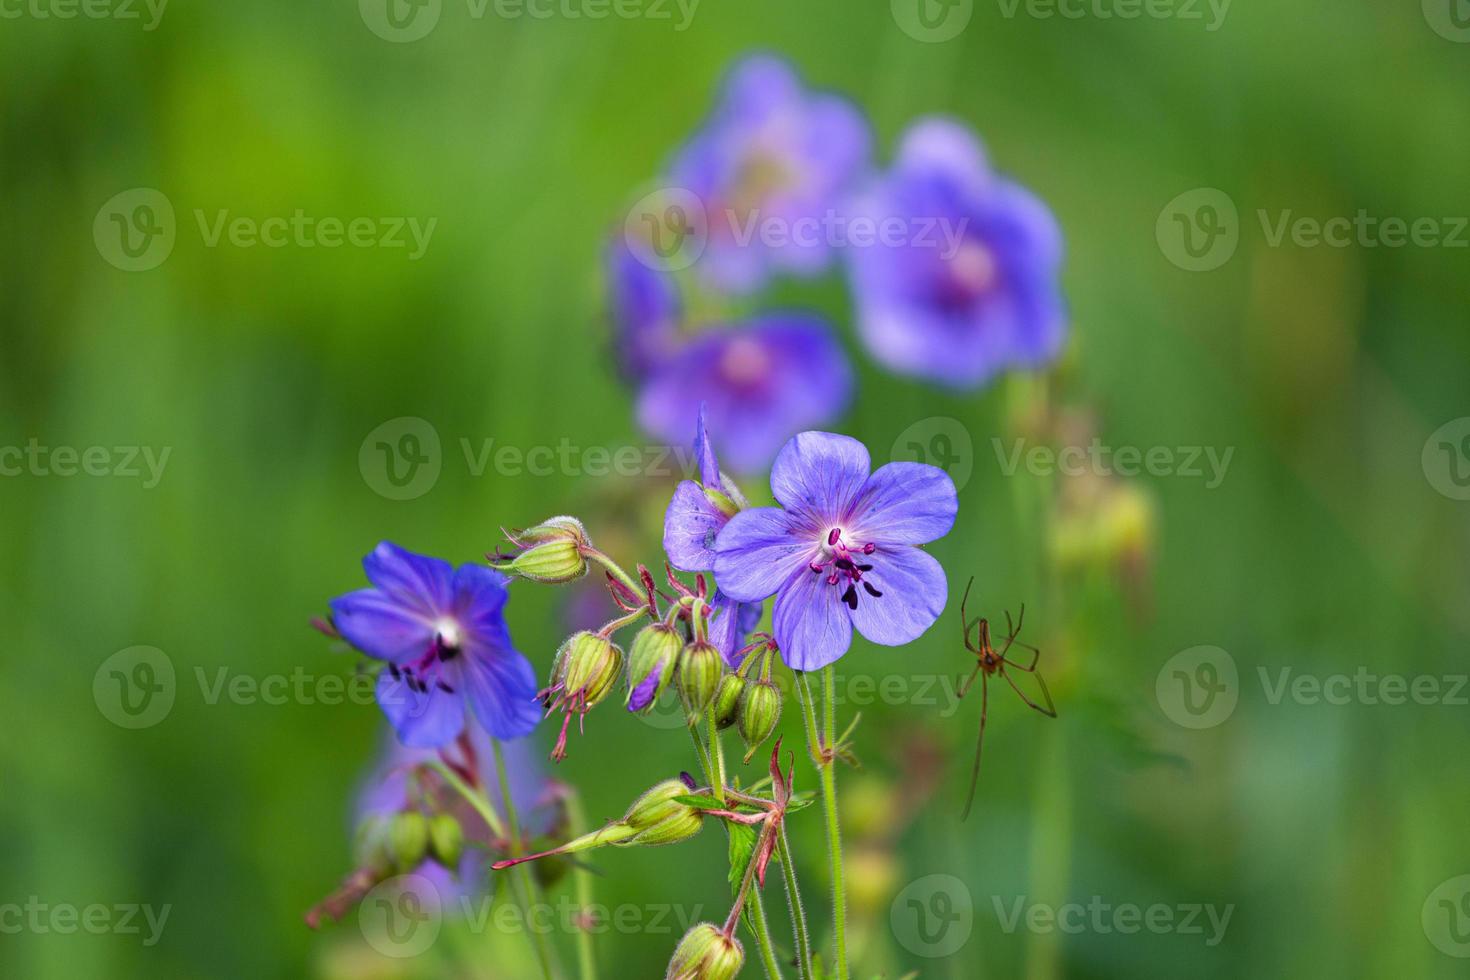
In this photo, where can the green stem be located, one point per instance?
(582, 876)
(821, 753)
(793, 901)
(616, 570)
(716, 753)
(527, 883)
(472, 797)
(715, 777)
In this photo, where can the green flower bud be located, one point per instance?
(727, 699)
(446, 840)
(409, 839)
(657, 817)
(700, 667)
(760, 709)
(651, 663)
(552, 552)
(588, 664)
(706, 953)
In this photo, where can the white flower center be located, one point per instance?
(973, 267)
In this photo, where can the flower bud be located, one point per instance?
(727, 699)
(706, 953)
(587, 664)
(651, 663)
(446, 840)
(408, 839)
(700, 667)
(552, 552)
(760, 709)
(658, 817)
(721, 501)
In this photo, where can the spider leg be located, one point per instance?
(979, 745)
(966, 685)
(965, 619)
(1028, 668)
(1050, 710)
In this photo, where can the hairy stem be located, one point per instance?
(793, 902)
(528, 889)
(758, 926)
(822, 749)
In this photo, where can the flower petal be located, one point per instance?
(810, 622)
(423, 720)
(819, 473)
(690, 526)
(757, 551)
(381, 626)
(709, 467)
(905, 503)
(502, 690)
(731, 622)
(914, 594)
(480, 593)
(417, 581)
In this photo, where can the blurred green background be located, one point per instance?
(1328, 546)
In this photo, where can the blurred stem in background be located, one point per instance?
(528, 888)
(582, 876)
(823, 752)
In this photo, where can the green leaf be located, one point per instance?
(800, 802)
(742, 848)
(700, 801)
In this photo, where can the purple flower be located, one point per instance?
(778, 374)
(976, 294)
(841, 550)
(646, 311)
(442, 633)
(772, 155)
(387, 791)
(695, 517)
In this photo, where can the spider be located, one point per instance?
(989, 661)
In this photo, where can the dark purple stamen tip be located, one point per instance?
(872, 591)
(833, 536)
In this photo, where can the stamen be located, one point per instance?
(872, 591)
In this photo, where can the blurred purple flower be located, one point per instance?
(959, 307)
(694, 518)
(442, 633)
(645, 309)
(841, 550)
(762, 382)
(772, 153)
(385, 792)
